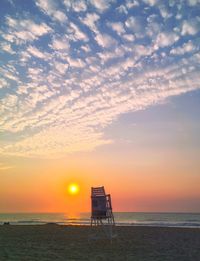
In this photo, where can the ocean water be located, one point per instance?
(189, 220)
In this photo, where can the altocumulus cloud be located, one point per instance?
(70, 68)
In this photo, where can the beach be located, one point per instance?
(57, 242)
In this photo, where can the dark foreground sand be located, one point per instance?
(54, 242)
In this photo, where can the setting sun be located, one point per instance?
(73, 189)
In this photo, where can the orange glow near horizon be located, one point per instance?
(133, 188)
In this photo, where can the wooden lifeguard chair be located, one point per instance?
(102, 214)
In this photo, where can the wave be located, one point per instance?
(161, 224)
(189, 220)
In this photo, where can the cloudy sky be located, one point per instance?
(99, 76)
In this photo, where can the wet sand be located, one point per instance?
(67, 243)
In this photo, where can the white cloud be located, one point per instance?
(142, 50)
(49, 7)
(90, 20)
(3, 83)
(78, 126)
(129, 37)
(37, 53)
(9, 72)
(100, 5)
(62, 103)
(116, 53)
(105, 40)
(25, 30)
(8, 37)
(165, 39)
(36, 29)
(67, 141)
(60, 16)
(186, 48)
(131, 3)
(151, 2)
(193, 2)
(80, 6)
(61, 44)
(153, 27)
(6, 47)
(34, 71)
(165, 13)
(85, 48)
(190, 27)
(61, 67)
(118, 27)
(10, 101)
(76, 5)
(77, 34)
(122, 9)
(76, 63)
(136, 24)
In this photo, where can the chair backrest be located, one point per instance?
(97, 192)
(99, 202)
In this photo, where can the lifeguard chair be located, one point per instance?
(102, 214)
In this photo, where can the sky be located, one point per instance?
(100, 92)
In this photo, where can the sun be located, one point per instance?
(73, 188)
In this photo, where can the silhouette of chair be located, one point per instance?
(102, 214)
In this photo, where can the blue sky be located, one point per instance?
(71, 72)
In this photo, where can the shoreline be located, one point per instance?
(69, 242)
(33, 223)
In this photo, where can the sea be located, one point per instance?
(189, 220)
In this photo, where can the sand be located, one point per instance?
(67, 243)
